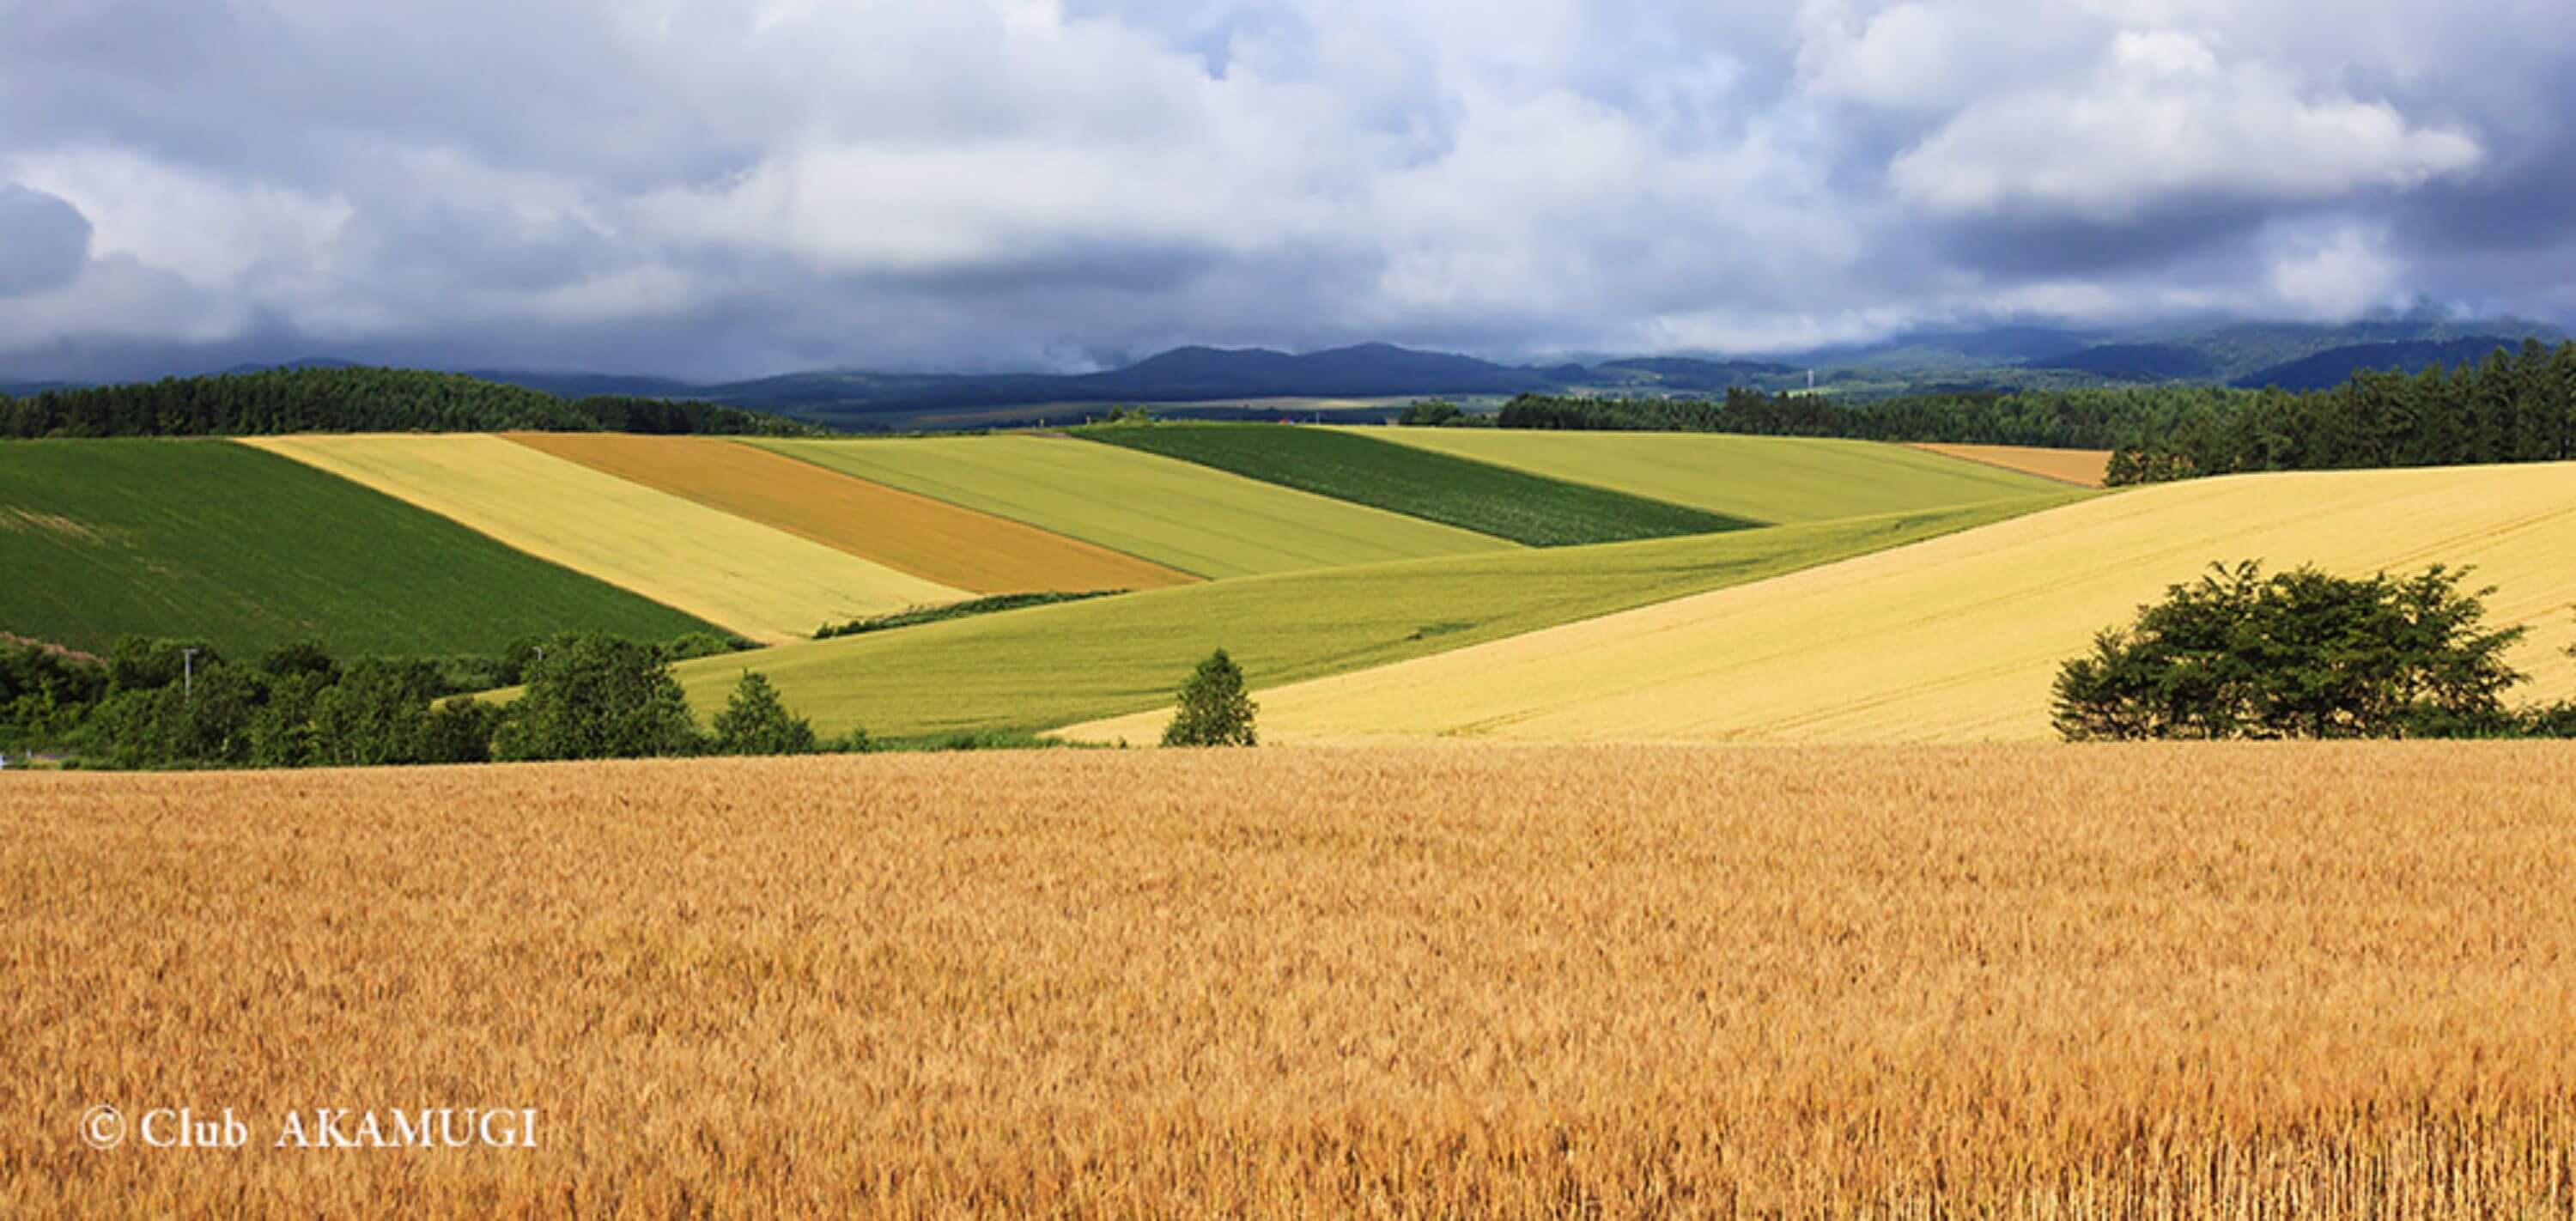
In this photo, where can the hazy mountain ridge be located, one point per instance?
(2291, 355)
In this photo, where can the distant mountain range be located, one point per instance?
(1254, 381)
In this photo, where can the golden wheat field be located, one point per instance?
(1957, 639)
(2082, 467)
(1442, 981)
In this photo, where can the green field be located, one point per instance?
(1058, 665)
(251, 551)
(1778, 479)
(1189, 517)
(1479, 496)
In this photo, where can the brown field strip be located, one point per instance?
(928, 538)
(1444, 981)
(2084, 468)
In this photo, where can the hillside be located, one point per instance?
(1052, 665)
(1773, 479)
(1177, 514)
(1348, 465)
(753, 579)
(928, 538)
(2335, 366)
(250, 551)
(1958, 639)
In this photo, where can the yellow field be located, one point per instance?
(762, 582)
(930, 539)
(1956, 639)
(2081, 467)
(2168, 982)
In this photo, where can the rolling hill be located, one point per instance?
(1471, 495)
(250, 551)
(761, 582)
(1178, 514)
(1956, 639)
(930, 539)
(1046, 666)
(1773, 479)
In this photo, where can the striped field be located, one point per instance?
(1957, 639)
(247, 551)
(1053, 665)
(1768, 479)
(764, 583)
(1169, 512)
(930, 539)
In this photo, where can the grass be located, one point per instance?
(1471, 495)
(1055, 665)
(1465, 981)
(762, 582)
(250, 552)
(1958, 639)
(930, 539)
(1774, 479)
(1173, 513)
(2085, 468)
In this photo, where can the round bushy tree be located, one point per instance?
(1214, 710)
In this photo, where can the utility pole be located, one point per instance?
(188, 674)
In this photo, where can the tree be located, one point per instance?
(2300, 654)
(754, 722)
(598, 697)
(1214, 709)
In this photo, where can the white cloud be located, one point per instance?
(972, 181)
(2164, 119)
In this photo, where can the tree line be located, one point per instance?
(360, 400)
(159, 703)
(2514, 406)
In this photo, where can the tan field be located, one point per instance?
(930, 539)
(762, 582)
(2084, 468)
(1956, 639)
(1463, 981)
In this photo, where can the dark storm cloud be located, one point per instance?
(721, 187)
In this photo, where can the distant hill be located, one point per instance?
(2136, 362)
(587, 385)
(1681, 372)
(1182, 375)
(2334, 366)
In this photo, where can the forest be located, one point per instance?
(359, 400)
(2514, 406)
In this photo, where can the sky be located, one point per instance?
(715, 189)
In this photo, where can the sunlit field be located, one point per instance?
(1445, 981)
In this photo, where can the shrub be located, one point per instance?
(1214, 710)
(2299, 654)
(754, 722)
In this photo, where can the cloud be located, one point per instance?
(44, 241)
(726, 187)
(2164, 118)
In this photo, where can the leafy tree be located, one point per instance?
(754, 722)
(1214, 709)
(2299, 654)
(598, 697)
(375, 716)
